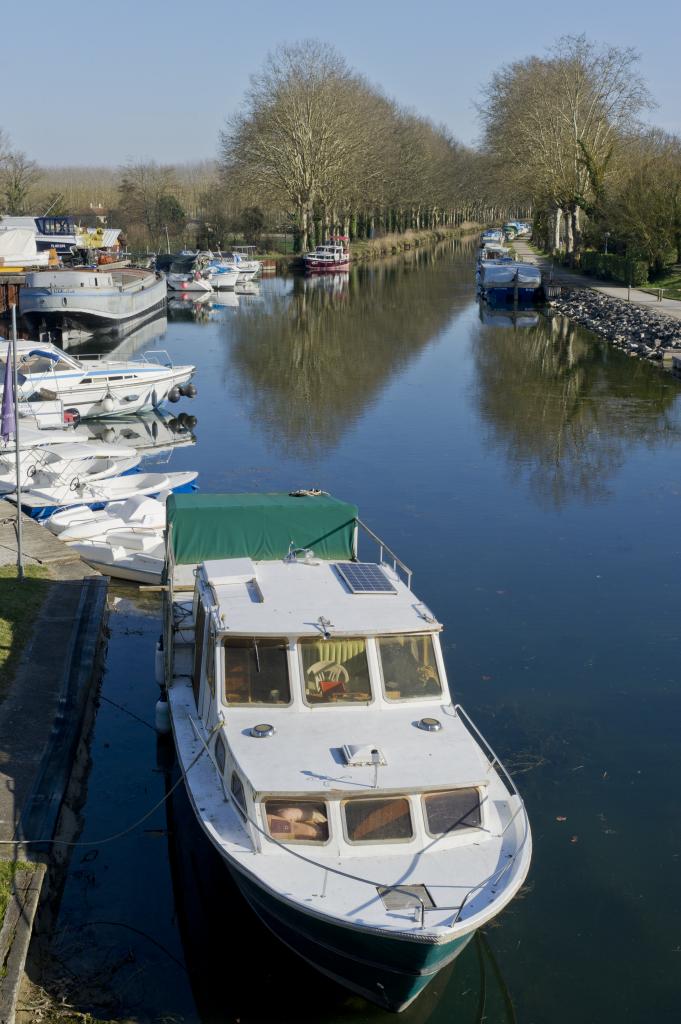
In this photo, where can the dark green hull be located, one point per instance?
(389, 971)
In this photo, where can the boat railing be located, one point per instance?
(494, 761)
(384, 550)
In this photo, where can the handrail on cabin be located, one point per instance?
(383, 547)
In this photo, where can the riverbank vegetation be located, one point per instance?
(316, 150)
(563, 132)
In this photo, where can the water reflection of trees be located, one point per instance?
(565, 407)
(311, 361)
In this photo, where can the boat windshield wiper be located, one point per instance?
(257, 654)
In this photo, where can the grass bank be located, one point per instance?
(670, 283)
(388, 245)
(20, 602)
(8, 869)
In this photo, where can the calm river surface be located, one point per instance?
(532, 479)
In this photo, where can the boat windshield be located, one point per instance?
(256, 671)
(409, 667)
(37, 362)
(335, 671)
(379, 820)
(452, 811)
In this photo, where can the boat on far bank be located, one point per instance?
(331, 257)
(504, 280)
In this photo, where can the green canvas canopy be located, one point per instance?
(258, 526)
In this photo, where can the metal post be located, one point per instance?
(20, 561)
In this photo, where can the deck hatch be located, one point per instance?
(407, 897)
(365, 578)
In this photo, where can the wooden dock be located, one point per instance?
(39, 546)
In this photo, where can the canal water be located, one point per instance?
(531, 477)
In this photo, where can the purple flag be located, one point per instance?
(8, 424)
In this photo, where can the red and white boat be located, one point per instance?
(330, 257)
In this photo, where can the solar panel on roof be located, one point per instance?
(365, 578)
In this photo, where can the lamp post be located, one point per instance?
(606, 235)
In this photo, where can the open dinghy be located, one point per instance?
(126, 555)
(360, 811)
(43, 502)
(66, 465)
(139, 513)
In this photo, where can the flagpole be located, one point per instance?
(20, 561)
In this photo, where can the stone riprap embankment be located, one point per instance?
(636, 330)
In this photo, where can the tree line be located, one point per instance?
(316, 150)
(564, 133)
(318, 142)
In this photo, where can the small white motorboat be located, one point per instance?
(247, 268)
(189, 282)
(494, 251)
(222, 276)
(91, 387)
(141, 514)
(187, 273)
(66, 466)
(125, 556)
(40, 503)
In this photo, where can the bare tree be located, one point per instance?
(18, 175)
(556, 121)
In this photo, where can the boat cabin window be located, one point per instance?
(451, 811)
(373, 821)
(220, 753)
(237, 788)
(256, 671)
(409, 667)
(294, 821)
(335, 671)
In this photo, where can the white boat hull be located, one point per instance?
(43, 503)
(91, 300)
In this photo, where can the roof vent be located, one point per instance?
(222, 572)
(361, 756)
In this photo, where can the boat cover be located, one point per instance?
(17, 246)
(259, 526)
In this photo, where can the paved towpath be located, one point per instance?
(33, 706)
(572, 279)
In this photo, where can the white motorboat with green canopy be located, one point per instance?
(360, 811)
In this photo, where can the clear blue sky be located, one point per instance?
(99, 83)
